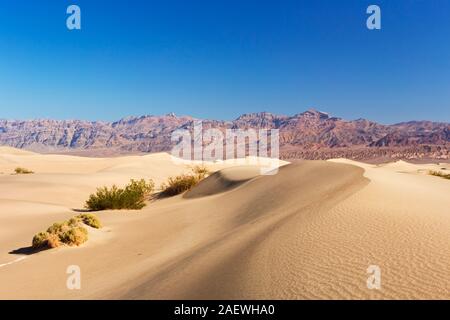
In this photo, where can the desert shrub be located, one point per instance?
(178, 184)
(73, 222)
(136, 192)
(184, 182)
(74, 236)
(40, 240)
(71, 232)
(20, 170)
(440, 174)
(89, 219)
(46, 240)
(53, 241)
(105, 198)
(200, 171)
(131, 197)
(58, 227)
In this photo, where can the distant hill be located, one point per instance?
(311, 135)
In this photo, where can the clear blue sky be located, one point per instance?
(220, 58)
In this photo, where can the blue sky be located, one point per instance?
(221, 58)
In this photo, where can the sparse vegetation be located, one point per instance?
(53, 241)
(20, 170)
(90, 220)
(70, 233)
(440, 174)
(58, 227)
(201, 171)
(184, 182)
(74, 236)
(40, 240)
(133, 196)
(178, 184)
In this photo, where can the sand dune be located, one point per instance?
(223, 180)
(5, 151)
(310, 231)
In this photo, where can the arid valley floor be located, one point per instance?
(308, 232)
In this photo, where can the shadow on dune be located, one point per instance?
(81, 210)
(27, 251)
(158, 196)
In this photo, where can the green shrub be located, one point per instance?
(440, 174)
(184, 182)
(133, 196)
(90, 220)
(20, 170)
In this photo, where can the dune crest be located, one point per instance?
(223, 180)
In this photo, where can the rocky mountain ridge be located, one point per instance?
(311, 134)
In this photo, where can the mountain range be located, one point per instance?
(308, 135)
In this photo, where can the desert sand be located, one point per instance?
(308, 232)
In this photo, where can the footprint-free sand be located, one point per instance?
(308, 232)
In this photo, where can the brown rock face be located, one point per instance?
(311, 135)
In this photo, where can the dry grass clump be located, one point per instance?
(53, 241)
(90, 220)
(20, 170)
(70, 232)
(133, 196)
(440, 174)
(40, 240)
(184, 182)
(74, 236)
(178, 184)
(201, 171)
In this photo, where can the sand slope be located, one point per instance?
(309, 231)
